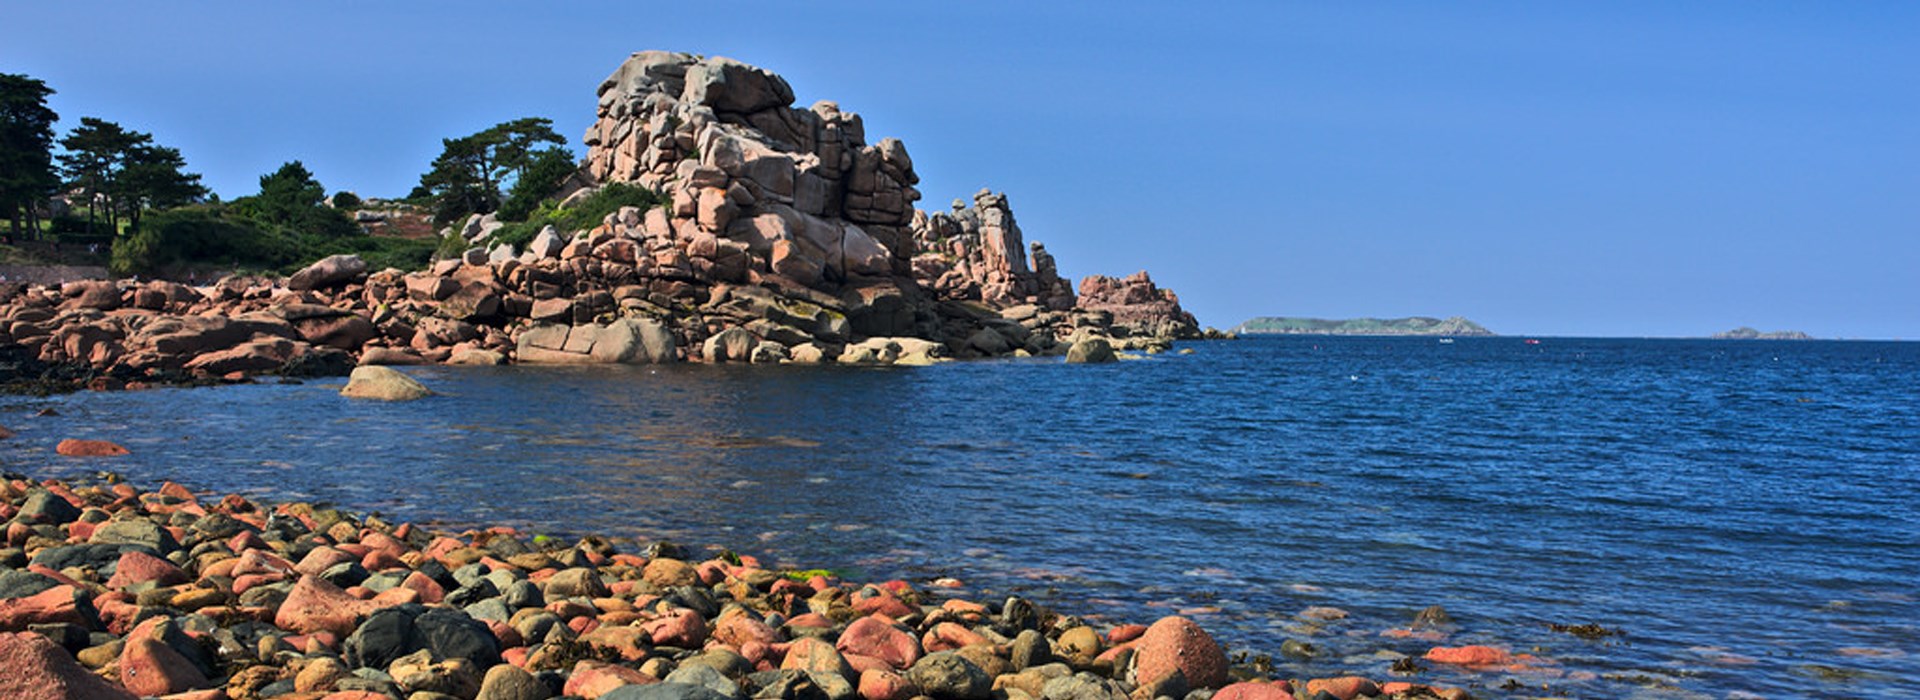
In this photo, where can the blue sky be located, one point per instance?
(1615, 169)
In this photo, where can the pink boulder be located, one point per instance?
(139, 567)
(1178, 644)
(877, 637)
(681, 628)
(37, 669)
(317, 606)
(739, 629)
(591, 679)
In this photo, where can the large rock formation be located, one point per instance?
(786, 237)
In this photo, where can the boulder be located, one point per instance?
(88, 448)
(949, 676)
(731, 345)
(1091, 350)
(56, 605)
(626, 341)
(383, 384)
(313, 605)
(150, 667)
(728, 85)
(507, 682)
(878, 637)
(1176, 644)
(37, 669)
(328, 272)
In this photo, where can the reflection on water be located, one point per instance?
(1748, 498)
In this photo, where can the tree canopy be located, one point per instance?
(468, 176)
(290, 198)
(112, 166)
(26, 148)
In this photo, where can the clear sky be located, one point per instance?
(1548, 168)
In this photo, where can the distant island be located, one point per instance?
(1745, 333)
(1415, 325)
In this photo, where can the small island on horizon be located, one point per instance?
(1746, 333)
(1412, 325)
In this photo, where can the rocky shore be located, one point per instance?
(108, 591)
(786, 237)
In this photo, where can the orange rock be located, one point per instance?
(57, 604)
(948, 636)
(885, 685)
(1345, 688)
(150, 667)
(1176, 643)
(89, 448)
(1468, 656)
(1125, 633)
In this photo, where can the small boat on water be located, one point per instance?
(1446, 341)
(1533, 341)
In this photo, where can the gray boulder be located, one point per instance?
(330, 271)
(626, 341)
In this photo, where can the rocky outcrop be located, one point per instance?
(1135, 307)
(786, 237)
(743, 166)
(976, 251)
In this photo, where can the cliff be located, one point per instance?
(1414, 325)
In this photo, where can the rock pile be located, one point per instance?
(110, 592)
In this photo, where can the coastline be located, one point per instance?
(139, 586)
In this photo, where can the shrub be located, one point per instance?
(583, 215)
(345, 200)
(198, 235)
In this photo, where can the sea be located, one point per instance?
(1633, 518)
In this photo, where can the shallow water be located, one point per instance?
(1744, 511)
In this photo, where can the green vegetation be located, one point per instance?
(284, 226)
(1416, 325)
(583, 215)
(1747, 333)
(155, 218)
(26, 151)
(468, 176)
(291, 200)
(114, 169)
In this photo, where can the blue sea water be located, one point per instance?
(1746, 513)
